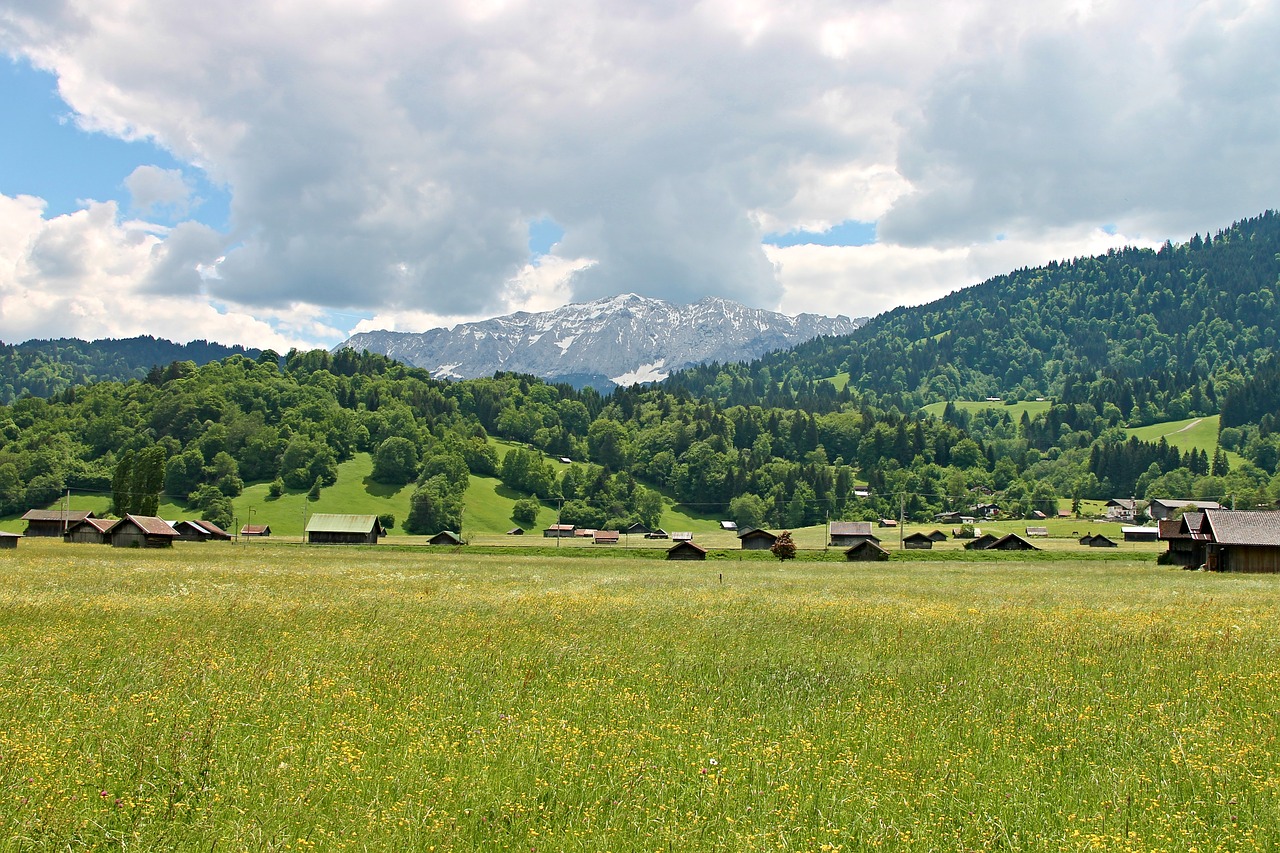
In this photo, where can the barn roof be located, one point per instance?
(327, 522)
(56, 515)
(151, 525)
(1244, 528)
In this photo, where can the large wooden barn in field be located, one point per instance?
(1224, 540)
(52, 522)
(142, 531)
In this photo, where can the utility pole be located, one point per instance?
(902, 513)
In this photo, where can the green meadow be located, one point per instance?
(276, 697)
(1015, 410)
(1189, 434)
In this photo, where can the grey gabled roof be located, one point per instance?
(324, 522)
(1244, 528)
(850, 528)
(1179, 504)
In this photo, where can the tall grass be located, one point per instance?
(273, 698)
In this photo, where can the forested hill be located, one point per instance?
(1134, 327)
(43, 368)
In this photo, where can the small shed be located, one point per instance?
(516, 531)
(686, 549)
(918, 541)
(846, 533)
(682, 536)
(325, 528)
(1141, 534)
(656, 534)
(445, 537)
(937, 536)
(1097, 540)
(638, 529)
(1037, 531)
(981, 543)
(757, 540)
(888, 522)
(557, 531)
(256, 530)
(91, 531)
(729, 525)
(607, 537)
(52, 522)
(142, 531)
(1011, 542)
(9, 540)
(865, 551)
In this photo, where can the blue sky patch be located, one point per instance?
(851, 232)
(544, 233)
(43, 153)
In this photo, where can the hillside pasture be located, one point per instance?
(280, 697)
(1014, 410)
(1188, 434)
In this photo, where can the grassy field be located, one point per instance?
(285, 698)
(1190, 434)
(1015, 410)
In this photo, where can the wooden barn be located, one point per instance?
(9, 540)
(556, 531)
(865, 551)
(937, 536)
(1240, 541)
(848, 533)
(326, 528)
(1186, 543)
(142, 531)
(91, 531)
(1162, 509)
(1140, 534)
(199, 530)
(607, 537)
(1011, 542)
(686, 549)
(256, 530)
(445, 537)
(516, 531)
(982, 542)
(1097, 540)
(638, 528)
(918, 542)
(52, 522)
(756, 539)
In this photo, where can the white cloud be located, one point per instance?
(385, 158)
(153, 187)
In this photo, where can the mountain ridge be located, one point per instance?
(618, 340)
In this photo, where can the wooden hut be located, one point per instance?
(516, 531)
(981, 543)
(1011, 542)
(686, 549)
(52, 522)
(142, 531)
(91, 531)
(557, 531)
(1187, 546)
(918, 542)
(199, 530)
(325, 528)
(1097, 540)
(607, 537)
(1241, 541)
(866, 550)
(445, 537)
(937, 536)
(9, 540)
(256, 530)
(756, 539)
(1140, 534)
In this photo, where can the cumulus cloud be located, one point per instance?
(387, 158)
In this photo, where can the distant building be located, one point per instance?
(607, 537)
(516, 531)
(682, 536)
(1011, 542)
(729, 525)
(918, 541)
(937, 536)
(325, 528)
(256, 530)
(981, 543)
(1187, 546)
(445, 537)
(865, 551)
(1140, 534)
(847, 533)
(1037, 531)
(557, 531)
(757, 540)
(199, 530)
(686, 549)
(1097, 540)
(1240, 541)
(92, 531)
(1161, 510)
(9, 541)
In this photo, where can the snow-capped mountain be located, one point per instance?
(616, 341)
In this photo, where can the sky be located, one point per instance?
(276, 173)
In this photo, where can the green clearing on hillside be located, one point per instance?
(287, 698)
(1189, 434)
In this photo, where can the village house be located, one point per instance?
(1121, 509)
(52, 522)
(326, 528)
(142, 531)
